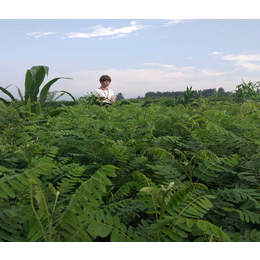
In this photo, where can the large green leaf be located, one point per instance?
(30, 82)
(39, 76)
(65, 92)
(46, 68)
(57, 111)
(7, 92)
(5, 101)
(33, 79)
(20, 95)
(45, 89)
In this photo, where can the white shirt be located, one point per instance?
(105, 93)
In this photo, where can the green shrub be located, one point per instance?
(131, 173)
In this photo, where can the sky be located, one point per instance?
(140, 55)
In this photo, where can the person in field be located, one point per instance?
(104, 91)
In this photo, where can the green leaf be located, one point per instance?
(33, 229)
(180, 232)
(130, 231)
(117, 222)
(109, 219)
(180, 221)
(57, 111)
(4, 235)
(108, 170)
(236, 237)
(27, 216)
(123, 227)
(194, 212)
(114, 236)
(46, 69)
(30, 82)
(23, 180)
(100, 229)
(20, 95)
(210, 196)
(6, 188)
(3, 194)
(87, 207)
(7, 93)
(100, 215)
(103, 178)
(199, 239)
(122, 238)
(8, 227)
(65, 92)
(45, 89)
(5, 101)
(174, 236)
(16, 185)
(39, 77)
(101, 187)
(105, 231)
(38, 108)
(93, 226)
(162, 223)
(190, 222)
(36, 236)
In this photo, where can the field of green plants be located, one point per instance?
(172, 170)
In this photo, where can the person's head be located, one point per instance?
(105, 80)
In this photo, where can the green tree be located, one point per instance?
(188, 95)
(208, 92)
(120, 96)
(221, 92)
(248, 90)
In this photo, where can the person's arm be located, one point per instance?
(113, 99)
(100, 94)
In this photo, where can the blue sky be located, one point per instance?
(140, 55)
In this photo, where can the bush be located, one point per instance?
(124, 102)
(9, 117)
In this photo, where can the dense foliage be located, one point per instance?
(131, 173)
(141, 171)
(203, 93)
(34, 78)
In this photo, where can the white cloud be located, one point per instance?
(213, 73)
(216, 53)
(166, 66)
(249, 62)
(37, 35)
(178, 75)
(33, 33)
(175, 21)
(100, 31)
(249, 57)
(249, 66)
(187, 69)
(235, 70)
(171, 67)
(209, 72)
(115, 37)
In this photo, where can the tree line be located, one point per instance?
(204, 93)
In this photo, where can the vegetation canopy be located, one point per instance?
(136, 171)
